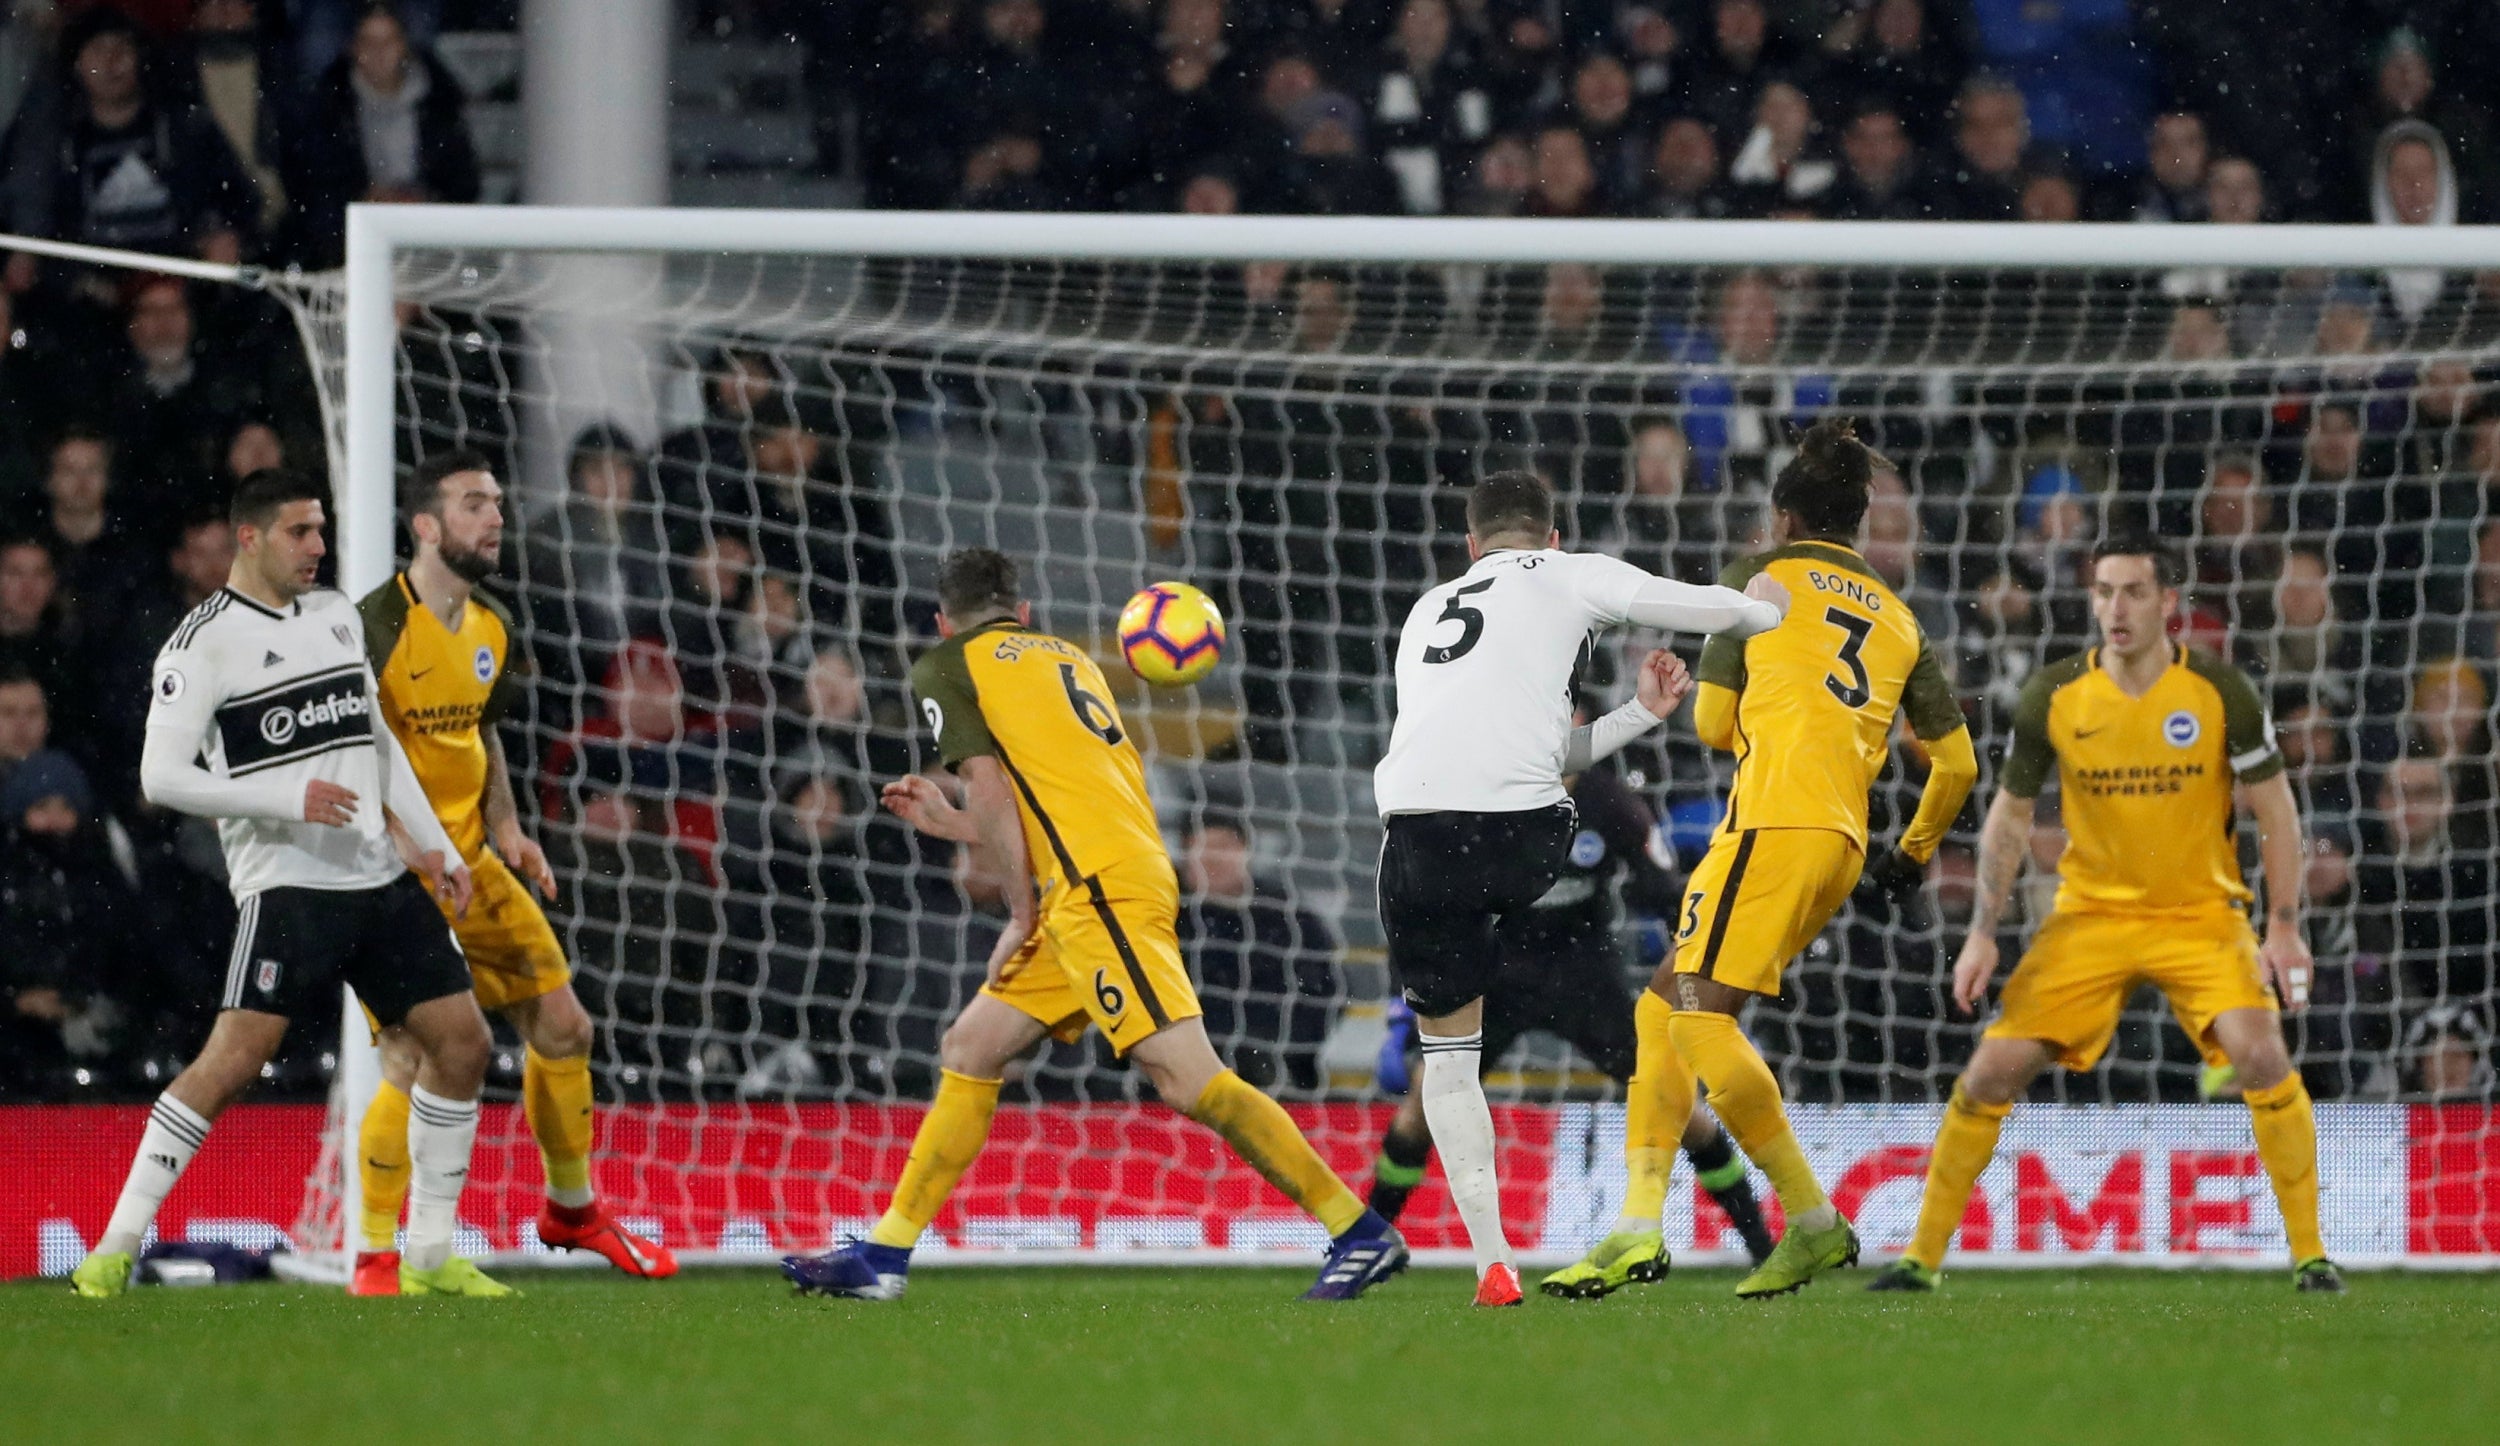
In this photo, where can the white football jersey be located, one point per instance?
(1486, 667)
(280, 699)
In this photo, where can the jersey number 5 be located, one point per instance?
(1470, 621)
(1853, 694)
(1094, 713)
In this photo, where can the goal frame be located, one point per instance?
(378, 234)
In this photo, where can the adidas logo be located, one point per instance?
(271, 660)
(164, 1162)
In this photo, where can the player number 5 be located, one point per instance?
(1469, 620)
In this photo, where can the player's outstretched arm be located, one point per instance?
(2283, 846)
(998, 849)
(1691, 608)
(1658, 690)
(2003, 841)
(171, 776)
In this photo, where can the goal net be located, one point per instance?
(740, 472)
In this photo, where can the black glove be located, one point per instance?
(1891, 876)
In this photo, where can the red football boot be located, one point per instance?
(1499, 1286)
(377, 1273)
(589, 1227)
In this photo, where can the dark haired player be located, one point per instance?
(1054, 795)
(1476, 820)
(262, 719)
(1562, 972)
(1808, 710)
(2156, 747)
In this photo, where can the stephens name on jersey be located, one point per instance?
(272, 700)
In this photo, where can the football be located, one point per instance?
(1171, 634)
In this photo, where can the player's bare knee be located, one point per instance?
(452, 1034)
(559, 1028)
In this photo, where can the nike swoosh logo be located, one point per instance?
(415, 673)
(2083, 733)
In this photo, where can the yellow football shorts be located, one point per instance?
(2071, 984)
(1758, 897)
(1106, 954)
(513, 952)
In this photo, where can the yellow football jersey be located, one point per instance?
(440, 687)
(1041, 707)
(1816, 695)
(2145, 783)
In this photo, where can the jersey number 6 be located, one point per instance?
(1470, 621)
(1852, 694)
(1091, 711)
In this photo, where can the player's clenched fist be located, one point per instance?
(328, 803)
(1663, 683)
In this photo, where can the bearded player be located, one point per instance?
(1808, 710)
(2156, 749)
(441, 650)
(1054, 796)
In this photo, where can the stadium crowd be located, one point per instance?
(715, 617)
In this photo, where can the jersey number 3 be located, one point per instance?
(1469, 620)
(1856, 692)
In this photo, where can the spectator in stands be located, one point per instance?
(2413, 182)
(2049, 195)
(2315, 739)
(1879, 181)
(193, 568)
(1684, 174)
(239, 72)
(35, 636)
(29, 382)
(388, 125)
(737, 376)
(30, 133)
(174, 401)
(1735, 57)
(815, 519)
(1566, 182)
(2482, 625)
(1192, 106)
(1601, 110)
(643, 934)
(2174, 184)
(712, 584)
(2449, 719)
(25, 719)
(1982, 180)
(1666, 527)
(2300, 639)
(69, 919)
(1778, 165)
(2439, 436)
(825, 723)
(1889, 541)
(796, 896)
(137, 170)
(1330, 174)
(1427, 106)
(1266, 968)
(1504, 176)
(1005, 172)
(2197, 333)
(95, 553)
(1897, 61)
(2447, 1053)
(1323, 312)
(651, 735)
(1996, 642)
(2423, 902)
(2405, 87)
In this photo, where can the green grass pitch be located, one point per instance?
(1105, 1356)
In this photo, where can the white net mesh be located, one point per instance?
(721, 624)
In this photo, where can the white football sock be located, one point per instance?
(1462, 1130)
(441, 1133)
(175, 1133)
(1821, 1217)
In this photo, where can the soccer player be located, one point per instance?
(1476, 820)
(2156, 748)
(1807, 708)
(262, 718)
(1054, 794)
(1562, 971)
(440, 649)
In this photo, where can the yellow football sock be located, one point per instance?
(1262, 1133)
(382, 1165)
(555, 1094)
(1656, 1108)
(949, 1139)
(2287, 1140)
(1747, 1100)
(1965, 1142)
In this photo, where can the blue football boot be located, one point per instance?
(853, 1270)
(1370, 1251)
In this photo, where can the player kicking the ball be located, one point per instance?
(2156, 747)
(1807, 708)
(262, 719)
(1476, 820)
(1054, 794)
(441, 654)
